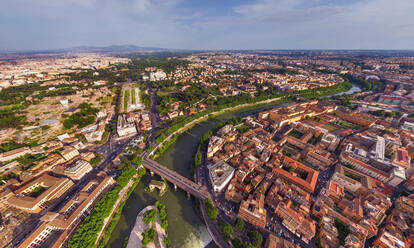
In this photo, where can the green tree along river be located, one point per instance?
(185, 225)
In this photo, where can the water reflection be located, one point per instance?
(186, 228)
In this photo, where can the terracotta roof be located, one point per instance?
(308, 184)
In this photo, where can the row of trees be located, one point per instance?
(365, 84)
(87, 233)
(255, 241)
(11, 118)
(31, 93)
(11, 145)
(117, 215)
(211, 210)
(384, 113)
(232, 101)
(163, 214)
(343, 230)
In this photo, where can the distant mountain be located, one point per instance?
(114, 49)
(92, 49)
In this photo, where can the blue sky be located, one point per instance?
(208, 24)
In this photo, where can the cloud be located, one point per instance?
(332, 24)
(193, 24)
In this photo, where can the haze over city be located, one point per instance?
(185, 24)
(206, 124)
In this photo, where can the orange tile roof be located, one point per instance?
(308, 184)
(387, 175)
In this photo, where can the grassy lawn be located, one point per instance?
(121, 97)
(127, 95)
(96, 160)
(37, 191)
(294, 205)
(162, 94)
(352, 176)
(349, 125)
(133, 96)
(295, 133)
(330, 127)
(106, 99)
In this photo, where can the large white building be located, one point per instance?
(125, 128)
(78, 169)
(158, 75)
(220, 175)
(397, 176)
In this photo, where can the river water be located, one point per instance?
(186, 228)
(352, 90)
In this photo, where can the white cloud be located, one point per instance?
(182, 24)
(332, 24)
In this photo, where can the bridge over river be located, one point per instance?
(178, 180)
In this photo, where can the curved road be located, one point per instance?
(191, 123)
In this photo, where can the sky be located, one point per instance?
(207, 24)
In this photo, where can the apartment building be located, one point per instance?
(74, 171)
(296, 173)
(57, 227)
(69, 153)
(13, 154)
(252, 210)
(40, 193)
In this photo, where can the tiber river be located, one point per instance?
(186, 228)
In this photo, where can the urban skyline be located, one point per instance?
(200, 124)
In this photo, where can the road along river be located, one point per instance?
(186, 228)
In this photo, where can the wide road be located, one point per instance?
(154, 116)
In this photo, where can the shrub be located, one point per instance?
(164, 224)
(150, 216)
(167, 242)
(226, 231)
(239, 224)
(97, 159)
(148, 236)
(255, 238)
